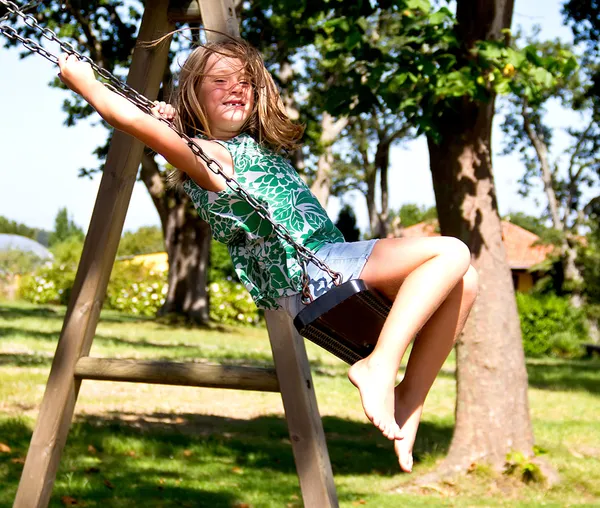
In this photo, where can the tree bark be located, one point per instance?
(541, 150)
(492, 410)
(187, 241)
(330, 130)
(382, 162)
(568, 247)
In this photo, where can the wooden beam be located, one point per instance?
(301, 412)
(216, 15)
(219, 15)
(172, 373)
(184, 11)
(56, 412)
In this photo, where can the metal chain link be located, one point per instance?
(27, 7)
(146, 105)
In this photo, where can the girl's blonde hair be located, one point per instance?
(268, 123)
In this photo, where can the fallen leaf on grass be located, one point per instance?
(4, 448)
(237, 470)
(360, 501)
(18, 460)
(92, 450)
(242, 505)
(109, 484)
(69, 501)
(131, 453)
(187, 453)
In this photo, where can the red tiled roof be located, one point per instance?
(519, 243)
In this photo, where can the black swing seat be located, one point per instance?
(346, 321)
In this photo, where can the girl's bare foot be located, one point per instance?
(377, 396)
(408, 415)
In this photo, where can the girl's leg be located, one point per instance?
(418, 275)
(430, 349)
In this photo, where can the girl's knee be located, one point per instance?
(459, 252)
(471, 281)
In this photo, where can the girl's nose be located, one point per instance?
(237, 86)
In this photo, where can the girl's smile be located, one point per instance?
(226, 95)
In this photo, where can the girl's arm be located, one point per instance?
(124, 116)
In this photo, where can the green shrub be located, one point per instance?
(550, 326)
(48, 285)
(221, 266)
(230, 303)
(136, 289)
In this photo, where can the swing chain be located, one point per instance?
(146, 105)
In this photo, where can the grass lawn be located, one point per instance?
(159, 446)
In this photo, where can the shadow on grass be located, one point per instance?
(10, 311)
(102, 340)
(566, 375)
(171, 459)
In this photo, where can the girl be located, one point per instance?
(229, 102)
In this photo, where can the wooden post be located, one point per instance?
(102, 240)
(301, 412)
(219, 15)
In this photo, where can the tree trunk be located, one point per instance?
(492, 410)
(187, 240)
(572, 275)
(370, 179)
(382, 162)
(330, 130)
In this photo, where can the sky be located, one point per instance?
(40, 157)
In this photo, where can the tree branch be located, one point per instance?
(93, 44)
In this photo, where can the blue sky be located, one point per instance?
(40, 157)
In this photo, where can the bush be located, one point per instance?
(136, 289)
(48, 285)
(550, 326)
(221, 267)
(230, 303)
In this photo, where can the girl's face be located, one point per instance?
(226, 95)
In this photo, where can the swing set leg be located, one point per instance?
(301, 412)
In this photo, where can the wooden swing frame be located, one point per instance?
(72, 363)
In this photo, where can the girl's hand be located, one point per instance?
(163, 110)
(75, 74)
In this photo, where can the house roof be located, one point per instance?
(518, 242)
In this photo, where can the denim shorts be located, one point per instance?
(347, 258)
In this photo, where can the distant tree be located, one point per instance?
(583, 16)
(12, 227)
(410, 214)
(64, 228)
(145, 240)
(43, 237)
(528, 222)
(346, 223)
(68, 252)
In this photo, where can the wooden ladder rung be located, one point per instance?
(174, 373)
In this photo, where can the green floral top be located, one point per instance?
(266, 264)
